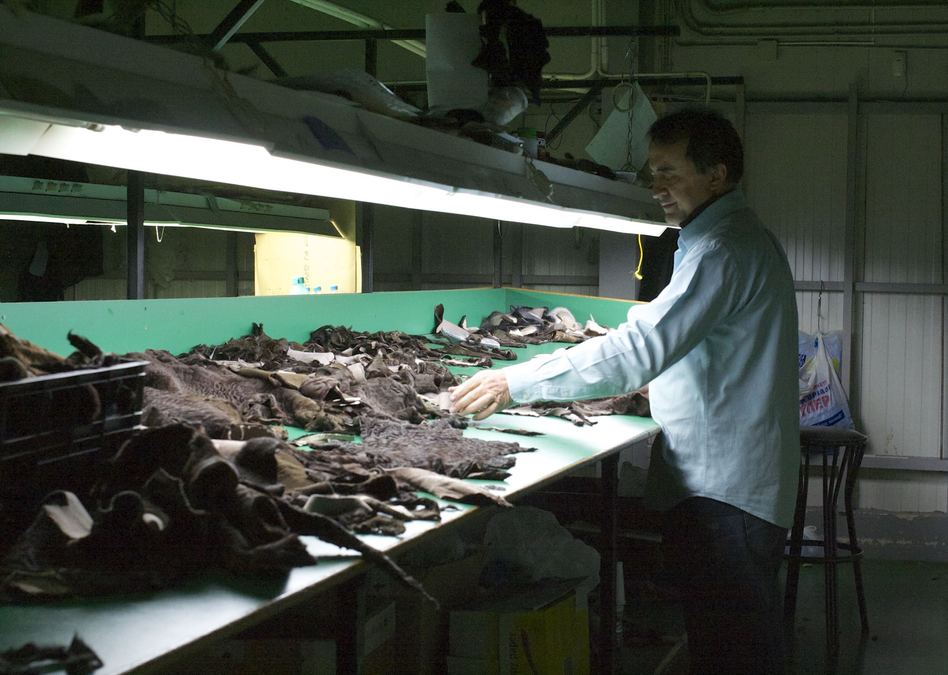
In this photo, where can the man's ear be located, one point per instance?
(719, 178)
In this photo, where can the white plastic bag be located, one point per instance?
(833, 341)
(532, 541)
(822, 397)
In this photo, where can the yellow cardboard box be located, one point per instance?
(538, 629)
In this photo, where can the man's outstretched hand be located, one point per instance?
(482, 394)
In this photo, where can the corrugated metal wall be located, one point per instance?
(186, 263)
(457, 251)
(796, 180)
(572, 254)
(900, 377)
(899, 384)
(393, 249)
(903, 240)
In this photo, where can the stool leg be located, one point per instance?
(793, 560)
(855, 552)
(829, 555)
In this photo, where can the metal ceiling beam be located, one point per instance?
(267, 59)
(371, 57)
(575, 111)
(600, 82)
(642, 79)
(407, 33)
(232, 23)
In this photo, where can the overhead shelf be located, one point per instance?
(73, 92)
(33, 199)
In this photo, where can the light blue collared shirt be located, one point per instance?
(718, 349)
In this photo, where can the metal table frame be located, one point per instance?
(150, 633)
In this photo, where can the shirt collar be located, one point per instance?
(710, 215)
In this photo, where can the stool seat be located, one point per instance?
(815, 439)
(839, 452)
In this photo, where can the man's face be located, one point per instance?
(676, 183)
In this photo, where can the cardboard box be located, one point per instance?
(538, 629)
(375, 639)
(418, 642)
(269, 656)
(463, 665)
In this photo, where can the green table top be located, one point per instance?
(148, 632)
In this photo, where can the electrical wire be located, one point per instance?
(638, 270)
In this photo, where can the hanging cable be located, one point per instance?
(630, 130)
(638, 270)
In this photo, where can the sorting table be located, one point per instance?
(149, 632)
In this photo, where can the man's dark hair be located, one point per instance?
(711, 138)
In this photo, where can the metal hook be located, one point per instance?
(819, 308)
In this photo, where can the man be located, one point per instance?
(717, 348)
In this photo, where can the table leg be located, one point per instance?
(608, 556)
(347, 658)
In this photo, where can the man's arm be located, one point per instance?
(481, 395)
(703, 291)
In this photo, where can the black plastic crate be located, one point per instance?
(49, 436)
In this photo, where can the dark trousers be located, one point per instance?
(724, 564)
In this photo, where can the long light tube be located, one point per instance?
(254, 166)
(71, 203)
(118, 222)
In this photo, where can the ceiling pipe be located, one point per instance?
(821, 28)
(721, 6)
(598, 57)
(597, 49)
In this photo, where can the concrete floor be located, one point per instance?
(907, 604)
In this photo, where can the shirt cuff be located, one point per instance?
(525, 380)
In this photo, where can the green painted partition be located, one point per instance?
(177, 325)
(606, 311)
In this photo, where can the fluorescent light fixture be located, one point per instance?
(238, 163)
(128, 104)
(53, 201)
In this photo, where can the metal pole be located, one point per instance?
(365, 213)
(944, 301)
(371, 57)
(417, 241)
(418, 34)
(849, 240)
(267, 59)
(232, 23)
(135, 235)
(498, 254)
(231, 265)
(516, 272)
(575, 111)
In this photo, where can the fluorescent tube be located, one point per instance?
(225, 161)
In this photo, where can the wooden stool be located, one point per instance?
(841, 452)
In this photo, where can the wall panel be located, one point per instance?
(454, 245)
(392, 252)
(567, 288)
(909, 492)
(795, 176)
(98, 288)
(900, 382)
(901, 491)
(550, 251)
(903, 236)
